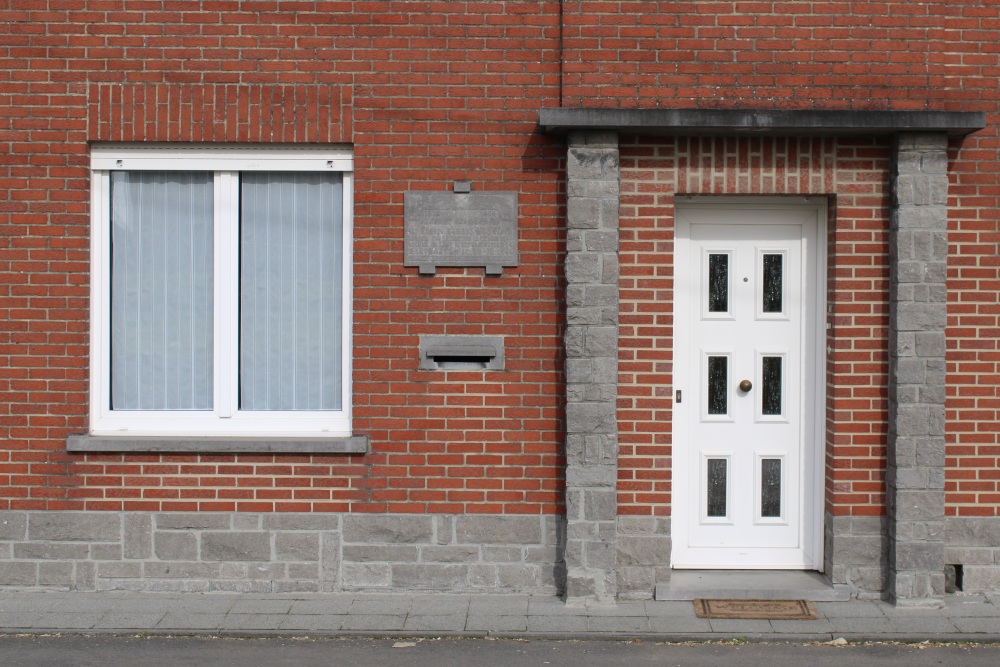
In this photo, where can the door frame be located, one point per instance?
(814, 346)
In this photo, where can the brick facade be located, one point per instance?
(429, 94)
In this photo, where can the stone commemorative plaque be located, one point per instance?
(460, 229)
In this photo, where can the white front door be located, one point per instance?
(748, 383)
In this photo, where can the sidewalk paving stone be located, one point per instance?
(252, 621)
(80, 605)
(178, 621)
(379, 606)
(129, 621)
(929, 625)
(820, 625)
(555, 607)
(203, 605)
(739, 626)
(19, 619)
(445, 607)
(448, 623)
(867, 626)
(618, 624)
(976, 617)
(69, 621)
(669, 609)
(374, 622)
(971, 608)
(10, 593)
(503, 604)
(339, 605)
(849, 609)
(315, 622)
(977, 624)
(678, 624)
(556, 624)
(11, 605)
(261, 607)
(496, 623)
(143, 606)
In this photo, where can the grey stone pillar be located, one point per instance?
(915, 466)
(591, 366)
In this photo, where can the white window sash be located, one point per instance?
(225, 419)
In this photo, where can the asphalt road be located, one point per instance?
(111, 651)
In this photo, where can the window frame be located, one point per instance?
(225, 419)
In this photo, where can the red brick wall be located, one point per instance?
(941, 54)
(854, 174)
(792, 53)
(972, 482)
(427, 93)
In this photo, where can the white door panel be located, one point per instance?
(745, 454)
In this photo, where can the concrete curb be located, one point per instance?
(658, 637)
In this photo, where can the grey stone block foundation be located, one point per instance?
(974, 543)
(280, 552)
(591, 342)
(855, 552)
(643, 547)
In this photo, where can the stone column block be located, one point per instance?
(591, 343)
(915, 463)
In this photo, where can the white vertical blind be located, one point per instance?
(291, 299)
(161, 290)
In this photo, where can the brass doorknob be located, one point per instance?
(746, 385)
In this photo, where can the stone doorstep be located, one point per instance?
(750, 584)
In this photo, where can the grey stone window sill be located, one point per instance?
(355, 444)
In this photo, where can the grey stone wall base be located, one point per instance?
(855, 553)
(643, 547)
(271, 553)
(974, 543)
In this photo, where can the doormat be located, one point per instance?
(772, 610)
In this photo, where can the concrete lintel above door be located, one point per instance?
(799, 122)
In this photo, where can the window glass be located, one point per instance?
(718, 383)
(220, 291)
(771, 386)
(718, 283)
(772, 283)
(161, 290)
(716, 487)
(290, 296)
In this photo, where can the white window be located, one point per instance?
(221, 292)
